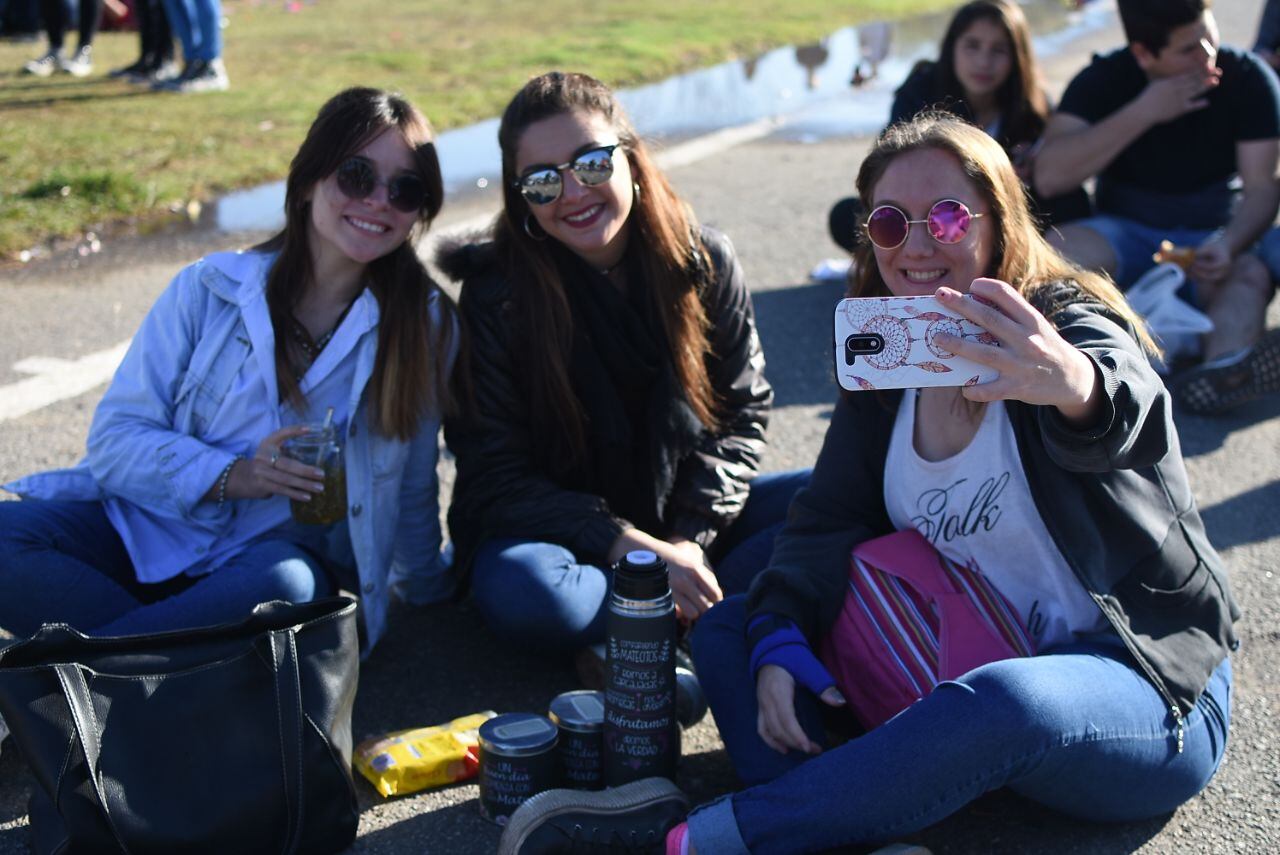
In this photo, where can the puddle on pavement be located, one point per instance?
(808, 87)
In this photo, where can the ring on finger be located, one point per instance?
(275, 455)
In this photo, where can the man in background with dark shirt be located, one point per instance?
(1184, 138)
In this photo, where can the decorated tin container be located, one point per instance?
(580, 717)
(517, 760)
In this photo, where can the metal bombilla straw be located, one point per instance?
(328, 423)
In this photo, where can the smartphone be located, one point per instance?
(888, 343)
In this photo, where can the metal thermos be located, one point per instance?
(641, 735)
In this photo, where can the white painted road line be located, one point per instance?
(58, 379)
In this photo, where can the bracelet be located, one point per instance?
(223, 479)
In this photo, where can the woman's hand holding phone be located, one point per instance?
(1036, 364)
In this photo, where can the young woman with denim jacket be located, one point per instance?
(1093, 536)
(179, 513)
(618, 389)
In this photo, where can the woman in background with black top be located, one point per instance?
(986, 74)
(617, 381)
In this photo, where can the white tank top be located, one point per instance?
(976, 508)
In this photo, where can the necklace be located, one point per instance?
(310, 347)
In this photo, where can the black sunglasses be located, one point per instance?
(357, 179)
(542, 185)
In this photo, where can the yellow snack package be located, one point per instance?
(410, 760)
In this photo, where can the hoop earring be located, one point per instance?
(532, 229)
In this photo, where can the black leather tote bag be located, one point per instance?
(231, 738)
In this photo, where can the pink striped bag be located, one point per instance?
(911, 619)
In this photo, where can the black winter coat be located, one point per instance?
(698, 480)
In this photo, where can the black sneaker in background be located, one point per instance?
(189, 70)
(632, 819)
(158, 73)
(211, 77)
(1228, 382)
(134, 68)
(691, 703)
(844, 222)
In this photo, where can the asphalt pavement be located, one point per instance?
(771, 196)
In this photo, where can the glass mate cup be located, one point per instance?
(318, 446)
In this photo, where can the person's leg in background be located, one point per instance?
(155, 46)
(181, 15)
(159, 42)
(142, 15)
(1241, 360)
(80, 63)
(1085, 245)
(53, 15)
(207, 73)
(1237, 306)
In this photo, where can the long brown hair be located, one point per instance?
(1024, 107)
(410, 371)
(1021, 256)
(664, 240)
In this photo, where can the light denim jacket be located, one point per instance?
(147, 462)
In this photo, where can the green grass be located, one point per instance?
(76, 154)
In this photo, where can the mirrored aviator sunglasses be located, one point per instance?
(357, 179)
(542, 185)
(948, 222)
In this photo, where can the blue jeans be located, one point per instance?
(539, 593)
(1078, 729)
(198, 26)
(64, 561)
(1269, 249)
(1134, 243)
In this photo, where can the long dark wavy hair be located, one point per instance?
(1020, 256)
(664, 243)
(410, 371)
(1024, 107)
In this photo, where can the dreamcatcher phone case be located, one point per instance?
(888, 343)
